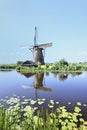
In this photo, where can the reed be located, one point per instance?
(29, 117)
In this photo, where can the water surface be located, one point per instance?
(64, 88)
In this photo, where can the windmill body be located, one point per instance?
(37, 50)
(38, 55)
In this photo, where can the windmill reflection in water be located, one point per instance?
(38, 82)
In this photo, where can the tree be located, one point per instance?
(63, 62)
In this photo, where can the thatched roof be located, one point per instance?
(29, 63)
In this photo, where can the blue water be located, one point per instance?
(59, 87)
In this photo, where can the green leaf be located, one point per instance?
(64, 127)
(79, 103)
(81, 120)
(77, 109)
(32, 102)
(40, 102)
(50, 106)
(24, 103)
(35, 119)
(52, 102)
(74, 118)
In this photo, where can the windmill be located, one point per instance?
(37, 50)
(38, 83)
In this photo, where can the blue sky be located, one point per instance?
(62, 22)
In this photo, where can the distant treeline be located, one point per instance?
(7, 66)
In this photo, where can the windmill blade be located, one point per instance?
(44, 88)
(45, 45)
(26, 46)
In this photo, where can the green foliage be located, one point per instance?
(19, 62)
(77, 109)
(47, 65)
(19, 117)
(59, 66)
(79, 103)
(7, 66)
(63, 62)
(39, 65)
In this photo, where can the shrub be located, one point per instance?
(63, 62)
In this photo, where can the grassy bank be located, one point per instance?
(19, 116)
(60, 66)
(56, 67)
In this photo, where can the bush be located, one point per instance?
(63, 62)
(19, 62)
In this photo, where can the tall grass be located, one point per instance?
(28, 117)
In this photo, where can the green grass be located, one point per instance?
(4, 67)
(19, 116)
(60, 66)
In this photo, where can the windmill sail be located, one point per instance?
(45, 45)
(35, 37)
(26, 46)
(37, 50)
